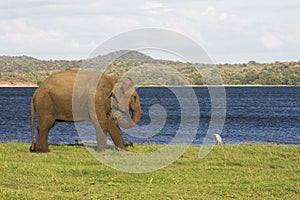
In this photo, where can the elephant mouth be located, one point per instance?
(127, 119)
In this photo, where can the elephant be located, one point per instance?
(78, 95)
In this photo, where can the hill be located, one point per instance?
(123, 55)
(144, 69)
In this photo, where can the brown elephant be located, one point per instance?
(76, 95)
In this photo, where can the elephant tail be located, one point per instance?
(32, 148)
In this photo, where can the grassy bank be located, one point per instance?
(70, 172)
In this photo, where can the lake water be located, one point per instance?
(253, 114)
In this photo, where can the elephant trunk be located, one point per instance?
(131, 120)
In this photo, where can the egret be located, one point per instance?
(219, 139)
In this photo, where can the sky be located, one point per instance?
(230, 31)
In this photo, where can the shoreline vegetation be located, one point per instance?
(246, 171)
(22, 71)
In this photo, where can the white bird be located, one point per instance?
(219, 139)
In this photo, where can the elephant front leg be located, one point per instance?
(115, 133)
(101, 137)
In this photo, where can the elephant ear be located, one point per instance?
(113, 96)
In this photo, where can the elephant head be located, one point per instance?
(125, 103)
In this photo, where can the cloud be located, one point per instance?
(155, 8)
(59, 30)
(62, 29)
(152, 5)
(270, 41)
(20, 37)
(214, 16)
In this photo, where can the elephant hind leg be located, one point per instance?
(44, 126)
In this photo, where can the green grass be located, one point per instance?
(227, 172)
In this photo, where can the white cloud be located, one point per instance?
(226, 29)
(155, 8)
(20, 37)
(270, 41)
(152, 5)
(213, 15)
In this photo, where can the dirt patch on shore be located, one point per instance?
(17, 84)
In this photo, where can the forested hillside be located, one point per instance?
(252, 73)
(24, 69)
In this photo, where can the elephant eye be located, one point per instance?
(134, 97)
(122, 90)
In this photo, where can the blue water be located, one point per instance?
(253, 114)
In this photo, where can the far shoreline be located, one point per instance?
(25, 85)
(5, 84)
(225, 85)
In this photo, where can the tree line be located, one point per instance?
(23, 69)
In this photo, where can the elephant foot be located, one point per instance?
(122, 150)
(42, 151)
(32, 149)
(39, 150)
(100, 150)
